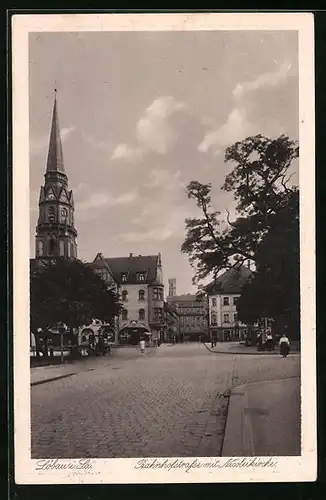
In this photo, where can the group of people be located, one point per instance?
(44, 347)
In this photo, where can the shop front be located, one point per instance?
(132, 332)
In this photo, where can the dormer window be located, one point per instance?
(140, 276)
(124, 277)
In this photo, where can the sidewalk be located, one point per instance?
(264, 420)
(47, 373)
(237, 348)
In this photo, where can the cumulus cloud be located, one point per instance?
(234, 129)
(155, 130)
(123, 151)
(166, 227)
(238, 124)
(41, 143)
(100, 200)
(268, 79)
(65, 132)
(159, 177)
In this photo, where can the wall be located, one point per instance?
(220, 309)
(133, 304)
(192, 318)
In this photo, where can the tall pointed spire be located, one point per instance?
(55, 156)
(55, 231)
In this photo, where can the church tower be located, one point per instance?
(55, 231)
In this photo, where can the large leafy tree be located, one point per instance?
(259, 183)
(266, 229)
(274, 290)
(70, 292)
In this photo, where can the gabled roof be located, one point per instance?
(231, 281)
(132, 265)
(187, 297)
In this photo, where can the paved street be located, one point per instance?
(171, 402)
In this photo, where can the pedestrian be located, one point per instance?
(269, 341)
(50, 347)
(284, 346)
(142, 346)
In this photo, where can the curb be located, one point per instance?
(256, 353)
(58, 377)
(238, 435)
(52, 379)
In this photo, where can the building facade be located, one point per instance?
(171, 323)
(222, 305)
(192, 312)
(139, 281)
(55, 231)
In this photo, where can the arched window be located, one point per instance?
(141, 295)
(40, 248)
(124, 315)
(213, 319)
(141, 314)
(62, 248)
(53, 245)
(124, 295)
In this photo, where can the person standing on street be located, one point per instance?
(142, 346)
(284, 346)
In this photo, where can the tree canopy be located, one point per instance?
(70, 292)
(265, 230)
(259, 182)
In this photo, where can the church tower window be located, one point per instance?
(40, 248)
(62, 248)
(53, 245)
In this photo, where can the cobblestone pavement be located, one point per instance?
(170, 402)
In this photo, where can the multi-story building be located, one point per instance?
(171, 323)
(138, 280)
(223, 295)
(192, 312)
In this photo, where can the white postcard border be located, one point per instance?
(301, 468)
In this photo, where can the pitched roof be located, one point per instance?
(231, 281)
(132, 265)
(187, 297)
(55, 155)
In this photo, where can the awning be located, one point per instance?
(139, 326)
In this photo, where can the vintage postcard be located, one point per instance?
(164, 248)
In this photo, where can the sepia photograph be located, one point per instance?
(162, 251)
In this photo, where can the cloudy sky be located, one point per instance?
(144, 113)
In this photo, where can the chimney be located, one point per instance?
(130, 255)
